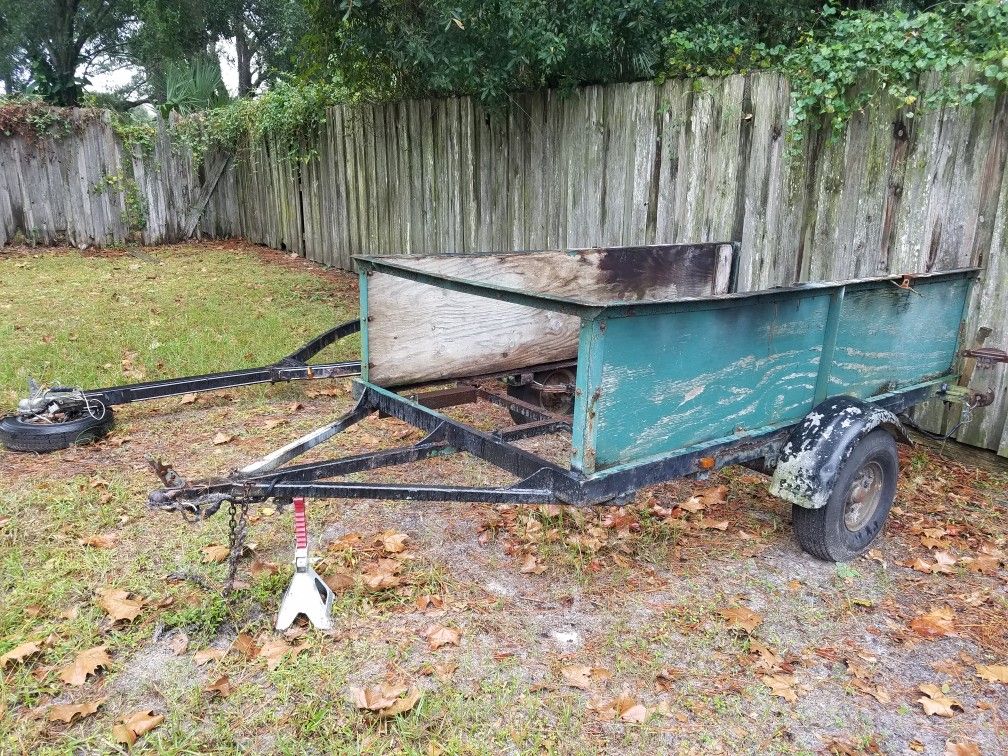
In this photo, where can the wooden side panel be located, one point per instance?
(417, 332)
(672, 380)
(889, 338)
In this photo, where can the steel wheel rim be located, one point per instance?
(863, 496)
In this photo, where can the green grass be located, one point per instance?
(177, 311)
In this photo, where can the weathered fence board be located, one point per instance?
(617, 164)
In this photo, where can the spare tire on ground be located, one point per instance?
(19, 434)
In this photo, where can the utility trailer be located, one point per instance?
(674, 374)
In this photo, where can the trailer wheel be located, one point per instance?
(18, 434)
(560, 402)
(856, 510)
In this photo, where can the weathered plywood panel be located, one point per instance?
(418, 333)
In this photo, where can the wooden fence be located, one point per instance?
(626, 164)
(88, 189)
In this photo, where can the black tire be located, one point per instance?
(840, 531)
(18, 435)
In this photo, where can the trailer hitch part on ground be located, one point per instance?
(56, 417)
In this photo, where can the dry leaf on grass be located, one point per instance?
(221, 687)
(19, 653)
(264, 568)
(275, 649)
(84, 664)
(382, 575)
(222, 438)
(961, 748)
(388, 699)
(188, 399)
(179, 644)
(441, 635)
(338, 581)
(530, 565)
(741, 618)
(993, 672)
(441, 670)
(136, 725)
(119, 606)
(245, 645)
(392, 542)
(100, 541)
(276, 422)
(215, 553)
(936, 702)
(934, 624)
(781, 685)
(582, 676)
(666, 679)
(70, 712)
(208, 655)
(624, 707)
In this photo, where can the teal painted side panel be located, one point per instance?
(671, 380)
(891, 337)
(591, 341)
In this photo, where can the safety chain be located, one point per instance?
(237, 528)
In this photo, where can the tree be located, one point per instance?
(266, 33)
(54, 45)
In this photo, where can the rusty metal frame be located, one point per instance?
(539, 480)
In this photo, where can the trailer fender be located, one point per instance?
(811, 458)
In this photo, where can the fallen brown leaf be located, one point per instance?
(215, 553)
(993, 672)
(440, 635)
(530, 565)
(70, 712)
(208, 655)
(179, 644)
(781, 685)
(136, 725)
(221, 687)
(392, 542)
(119, 606)
(338, 581)
(936, 702)
(741, 618)
(275, 649)
(934, 624)
(84, 664)
(388, 699)
(245, 645)
(264, 568)
(623, 706)
(188, 399)
(961, 748)
(582, 676)
(222, 438)
(19, 653)
(100, 541)
(382, 575)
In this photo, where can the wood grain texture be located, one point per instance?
(418, 332)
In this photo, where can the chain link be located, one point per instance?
(237, 528)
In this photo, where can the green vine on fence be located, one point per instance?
(32, 118)
(951, 56)
(290, 113)
(134, 212)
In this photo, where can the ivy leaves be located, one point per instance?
(863, 54)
